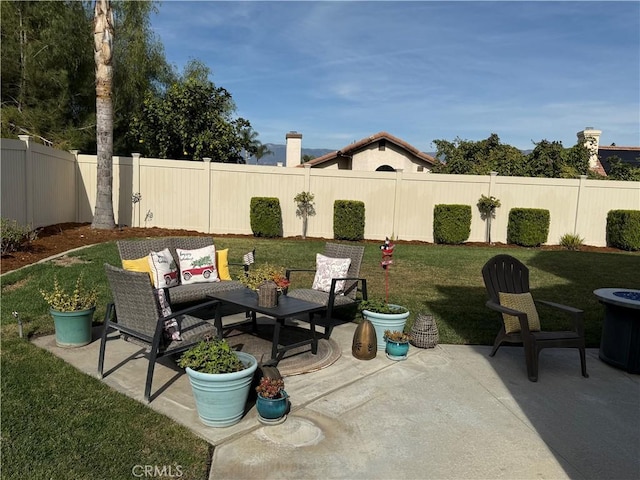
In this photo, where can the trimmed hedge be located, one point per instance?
(451, 223)
(528, 227)
(623, 229)
(266, 217)
(348, 220)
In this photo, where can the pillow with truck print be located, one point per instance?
(164, 271)
(198, 266)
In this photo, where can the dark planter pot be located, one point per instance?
(272, 410)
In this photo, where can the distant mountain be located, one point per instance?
(280, 154)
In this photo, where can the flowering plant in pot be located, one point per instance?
(263, 273)
(272, 402)
(220, 380)
(72, 312)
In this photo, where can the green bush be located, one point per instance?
(623, 229)
(528, 227)
(451, 223)
(571, 241)
(266, 217)
(348, 220)
(15, 237)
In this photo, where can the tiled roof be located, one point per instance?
(359, 145)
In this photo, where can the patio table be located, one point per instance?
(287, 307)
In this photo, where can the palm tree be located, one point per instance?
(103, 48)
(261, 151)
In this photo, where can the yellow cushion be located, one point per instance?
(523, 302)
(222, 262)
(138, 265)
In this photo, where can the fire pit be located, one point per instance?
(620, 342)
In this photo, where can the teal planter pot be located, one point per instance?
(272, 409)
(385, 321)
(221, 397)
(397, 350)
(73, 329)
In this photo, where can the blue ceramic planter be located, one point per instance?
(397, 350)
(73, 329)
(221, 397)
(272, 408)
(385, 321)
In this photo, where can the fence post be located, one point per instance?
(581, 186)
(396, 204)
(135, 187)
(28, 180)
(207, 171)
(77, 182)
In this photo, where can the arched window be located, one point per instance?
(385, 168)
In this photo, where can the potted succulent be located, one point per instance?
(72, 312)
(220, 380)
(397, 344)
(383, 316)
(272, 402)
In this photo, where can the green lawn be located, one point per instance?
(60, 423)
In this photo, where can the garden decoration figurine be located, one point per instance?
(387, 259)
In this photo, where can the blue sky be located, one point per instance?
(338, 72)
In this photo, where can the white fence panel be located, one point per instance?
(42, 186)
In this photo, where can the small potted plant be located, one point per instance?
(220, 380)
(397, 344)
(263, 273)
(272, 402)
(72, 312)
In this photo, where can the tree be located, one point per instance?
(139, 65)
(305, 208)
(47, 72)
(103, 47)
(191, 120)
(620, 170)
(478, 158)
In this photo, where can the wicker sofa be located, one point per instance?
(179, 295)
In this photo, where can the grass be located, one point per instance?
(60, 423)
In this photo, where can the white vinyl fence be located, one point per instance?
(43, 186)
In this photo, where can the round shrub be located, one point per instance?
(451, 223)
(528, 227)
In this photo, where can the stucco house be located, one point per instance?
(601, 155)
(379, 152)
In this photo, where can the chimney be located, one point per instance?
(294, 149)
(591, 139)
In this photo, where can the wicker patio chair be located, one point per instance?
(331, 300)
(136, 314)
(504, 274)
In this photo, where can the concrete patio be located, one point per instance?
(451, 412)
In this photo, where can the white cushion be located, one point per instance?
(164, 271)
(328, 268)
(198, 266)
